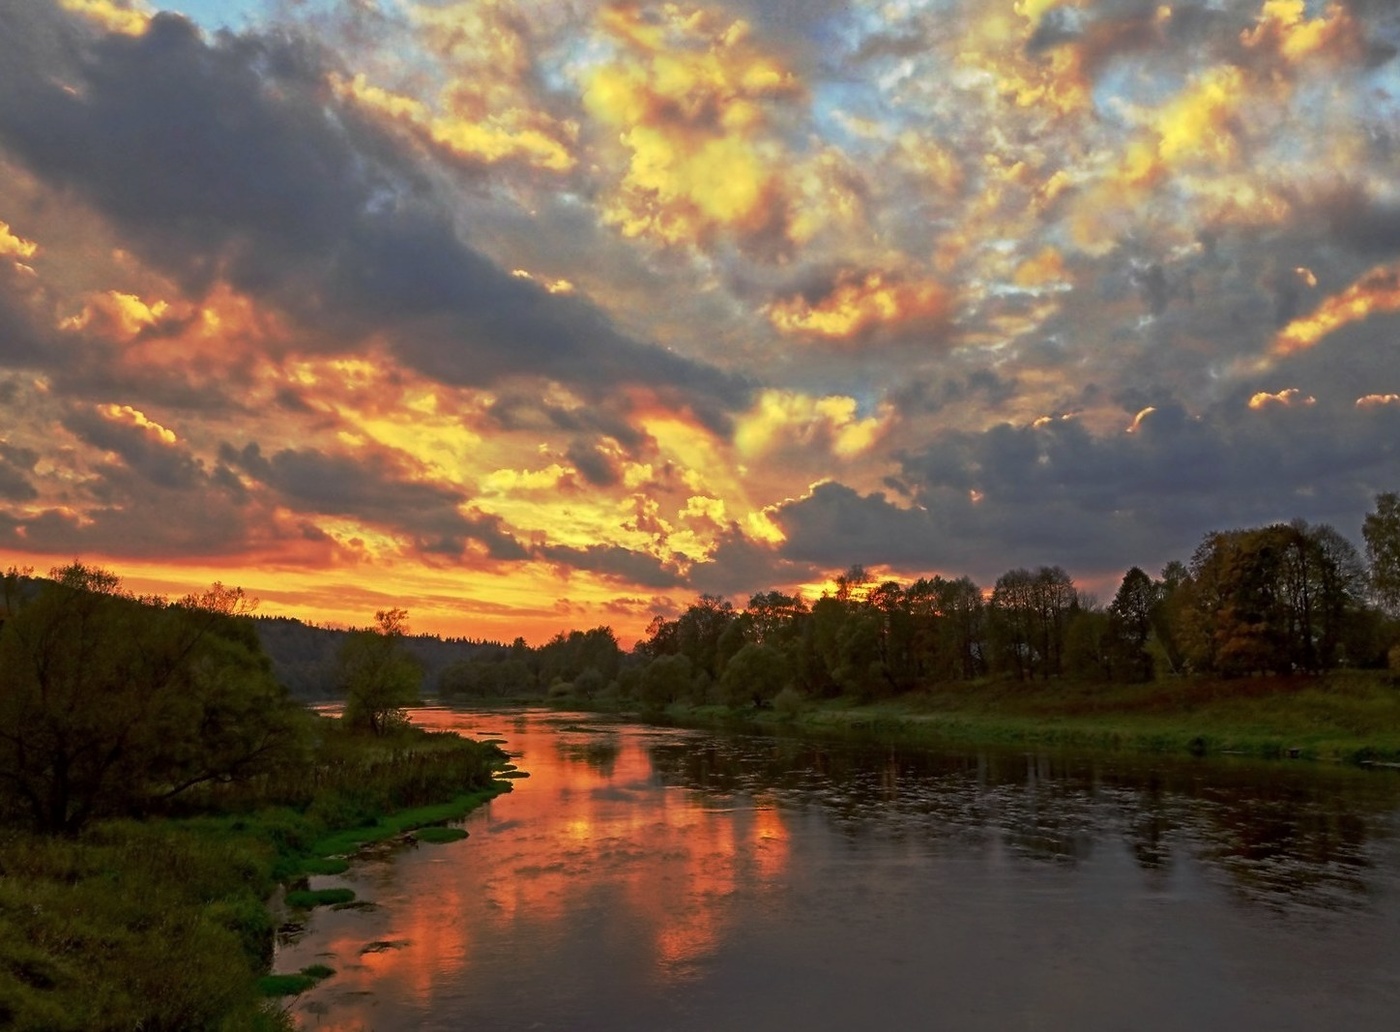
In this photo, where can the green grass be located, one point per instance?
(1346, 716)
(389, 826)
(293, 985)
(305, 899)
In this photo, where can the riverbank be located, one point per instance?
(1345, 716)
(168, 924)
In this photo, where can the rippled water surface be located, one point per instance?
(650, 878)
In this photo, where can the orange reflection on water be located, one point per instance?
(591, 836)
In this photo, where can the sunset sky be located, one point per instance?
(529, 315)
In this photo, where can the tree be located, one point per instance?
(964, 629)
(111, 705)
(664, 680)
(756, 674)
(378, 674)
(1130, 626)
(1381, 529)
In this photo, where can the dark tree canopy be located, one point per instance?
(110, 704)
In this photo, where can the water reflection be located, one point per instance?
(1275, 829)
(662, 878)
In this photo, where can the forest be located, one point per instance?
(1288, 598)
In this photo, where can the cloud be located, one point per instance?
(1289, 398)
(121, 16)
(144, 446)
(230, 164)
(15, 466)
(1376, 292)
(688, 93)
(1376, 400)
(983, 502)
(376, 486)
(856, 307)
(613, 563)
(14, 246)
(817, 428)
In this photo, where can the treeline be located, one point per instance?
(1281, 599)
(306, 658)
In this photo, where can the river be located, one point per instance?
(655, 878)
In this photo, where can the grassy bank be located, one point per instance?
(1346, 716)
(165, 924)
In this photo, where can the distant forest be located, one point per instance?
(1289, 598)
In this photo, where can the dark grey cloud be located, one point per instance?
(517, 411)
(1361, 222)
(23, 343)
(376, 487)
(161, 462)
(15, 466)
(139, 519)
(231, 159)
(1059, 494)
(739, 567)
(614, 563)
(596, 467)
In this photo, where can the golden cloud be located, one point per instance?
(1041, 269)
(14, 246)
(996, 47)
(1284, 27)
(1198, 125)
(112, 15)
(1377, 400)
(856, 307)
(787, 416)
(689, 95)
(1137, 420)
(1289, 398)
(1377, 291)
(128, 416)
(512, 134)
(120, 314)
(553, 286)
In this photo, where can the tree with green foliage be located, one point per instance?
(379, 676)
(112, 704)
(755, 675)
(1381, 529)
(665, 680)
(1130, 626)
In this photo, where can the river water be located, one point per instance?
(652, 878)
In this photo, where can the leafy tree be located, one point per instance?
(111, 705)
(1031, 613)
(964, 630)
(756, 674)
(378, 674)
(566, 657)
(1089, 645)
(773, 616)
(1381, 529)
(665, 680)
(1130, 626)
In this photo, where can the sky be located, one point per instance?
(531, 315)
